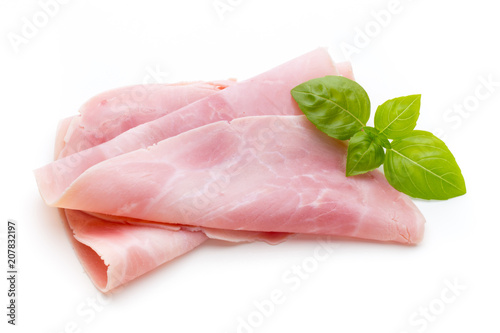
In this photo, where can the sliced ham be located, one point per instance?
(110, 248)
(234, 236)
(266, 94)
(267, 173)
(113, 112)
(62, 129)
(108, 129)
(115, 253)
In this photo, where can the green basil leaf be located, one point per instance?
(420, 165)
(398, 117)
(363, 154)
(336, 105)
(379, 138)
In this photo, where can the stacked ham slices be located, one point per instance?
(147, 173)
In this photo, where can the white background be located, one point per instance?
(444, 50)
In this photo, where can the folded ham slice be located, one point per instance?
(115, 253)
(113, 112)
(267, 173)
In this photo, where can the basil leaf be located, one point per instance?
(420, 165)
(379, 138)
(363, 154)
(336, 105)
(397, 117)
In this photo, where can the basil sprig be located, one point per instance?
(415, 162)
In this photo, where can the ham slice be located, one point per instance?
(113, 112)
(62, 129)
(115, 253)
(220, 234)
(267, 173)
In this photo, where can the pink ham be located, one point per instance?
(90, 253)
(115, 253)
(113, 112)
(62, 129)
(268, 173)
(114, 250)
(266, 94)
(220, 234)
